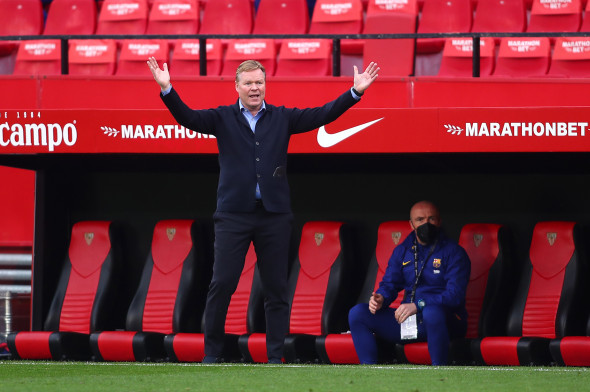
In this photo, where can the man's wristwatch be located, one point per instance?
(421, 304)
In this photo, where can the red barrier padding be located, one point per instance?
(500, 351)
(340, 349)
(417, 353)
(574, 350)
(257, 347)
(116, 345)
(33, 345)
(189, 347)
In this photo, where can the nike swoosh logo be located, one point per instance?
(406, 262)
(326, 139)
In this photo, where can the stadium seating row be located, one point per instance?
(24, 17)
(515, 57)
(538, 320)
(102, 57)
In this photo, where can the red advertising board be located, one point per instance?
(427, 130)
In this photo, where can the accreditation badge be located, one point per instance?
(409, 328)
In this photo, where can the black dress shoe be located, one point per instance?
(276, 361)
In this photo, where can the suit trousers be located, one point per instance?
(271, 235)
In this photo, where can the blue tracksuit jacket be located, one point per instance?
(444, 278)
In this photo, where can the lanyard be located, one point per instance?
(419, 273)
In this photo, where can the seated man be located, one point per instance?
(434, 272)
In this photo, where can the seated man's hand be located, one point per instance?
(375, 302)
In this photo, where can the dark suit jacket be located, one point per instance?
(246, 157)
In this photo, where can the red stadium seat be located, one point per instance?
(123, 17)
(572, 350)
(186, 55)
(239, 50)
(174, 17)
(523, 57)
(487, 293)
(443, 16)
(67, 17)
(282, 17)
(321, 278)
(457, 59)
(19, 17)
(394, 56)
(134, 54)
(170, 297)
(92, 57)
(571, 57)
(244, 315)
(83, 300)
(38, 57)
(339, 348)
(562, 16)
(227, 17)
(547, 303)
(500, 16)
(339, 17)
(305, 57)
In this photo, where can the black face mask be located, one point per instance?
(427, 233)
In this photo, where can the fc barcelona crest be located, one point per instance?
(436, 263)
(477, 238)
(551, 237)
(171, 232)
(319, 237)
(88, 237)
(396, 236)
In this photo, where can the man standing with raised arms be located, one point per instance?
(253, 199)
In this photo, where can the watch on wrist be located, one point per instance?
(421, 304)
(354, 90)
